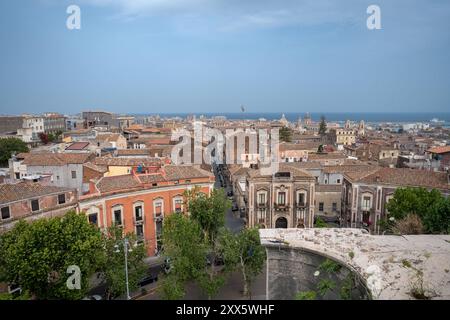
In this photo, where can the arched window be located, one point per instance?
(158, 207)
(178, 203)
(138, 210)
(261, 198)
(93, 214)
(117, 215)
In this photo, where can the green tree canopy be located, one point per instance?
(431, 206)
(8, 146)
(37, 255)
(285, 134)
(245, 251)
(113, 266)
(322, 126)
(186, 250)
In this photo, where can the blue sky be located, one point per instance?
(164, 56)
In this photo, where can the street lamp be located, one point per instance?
(126, 249)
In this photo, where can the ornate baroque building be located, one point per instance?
(284, 199)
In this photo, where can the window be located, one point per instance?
(334, 206)
(93, 218)
(159, 226)
(35, 205)
(158, 208)
(282, 198)
(301, 199)
(178, 204)
(118, 217)
(17, 175)
(366, 203)
(61, 198)
(262, 198)
(338, 181)
(388, 198)
(138, 213)
(261, 215)
(5, 213)
(74, 174)
(321, 206)
(140, 231)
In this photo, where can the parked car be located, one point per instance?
(148, 279)
(93, 297)
(235, 207)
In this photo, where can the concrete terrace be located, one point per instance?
(388, 264)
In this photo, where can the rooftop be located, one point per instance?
(402, 177)
(442, 149)
(26, 190)
(55, 159)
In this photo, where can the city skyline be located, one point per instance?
(196, 56)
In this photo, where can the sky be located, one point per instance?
(181, 56)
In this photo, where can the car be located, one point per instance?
(148, 279)
(230, 193)
(235, 207)
(93, 297)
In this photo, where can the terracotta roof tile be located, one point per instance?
(442, 149)
(26, 190)
(56, 159)
(406, 177)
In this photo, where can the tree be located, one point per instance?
(184, 247)
(431, 206)
(37, 255)
(320, 223)
(113, 265)
(45, 139)
(285, 134)
(245, 251)
(322, 126)
(9, 146)
(209, 213)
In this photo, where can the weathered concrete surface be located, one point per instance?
(390, 266)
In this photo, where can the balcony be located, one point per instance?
(300, 204)
(262, 204)
(281, 207)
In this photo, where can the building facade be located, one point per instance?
(282, 200)
(139, 203)
(365, 195)
(30, 201)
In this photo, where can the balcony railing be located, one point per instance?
(300, 204)
(281, 206)
(262, 204)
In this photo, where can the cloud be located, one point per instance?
(232, 15)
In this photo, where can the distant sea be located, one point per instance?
(370, 117)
